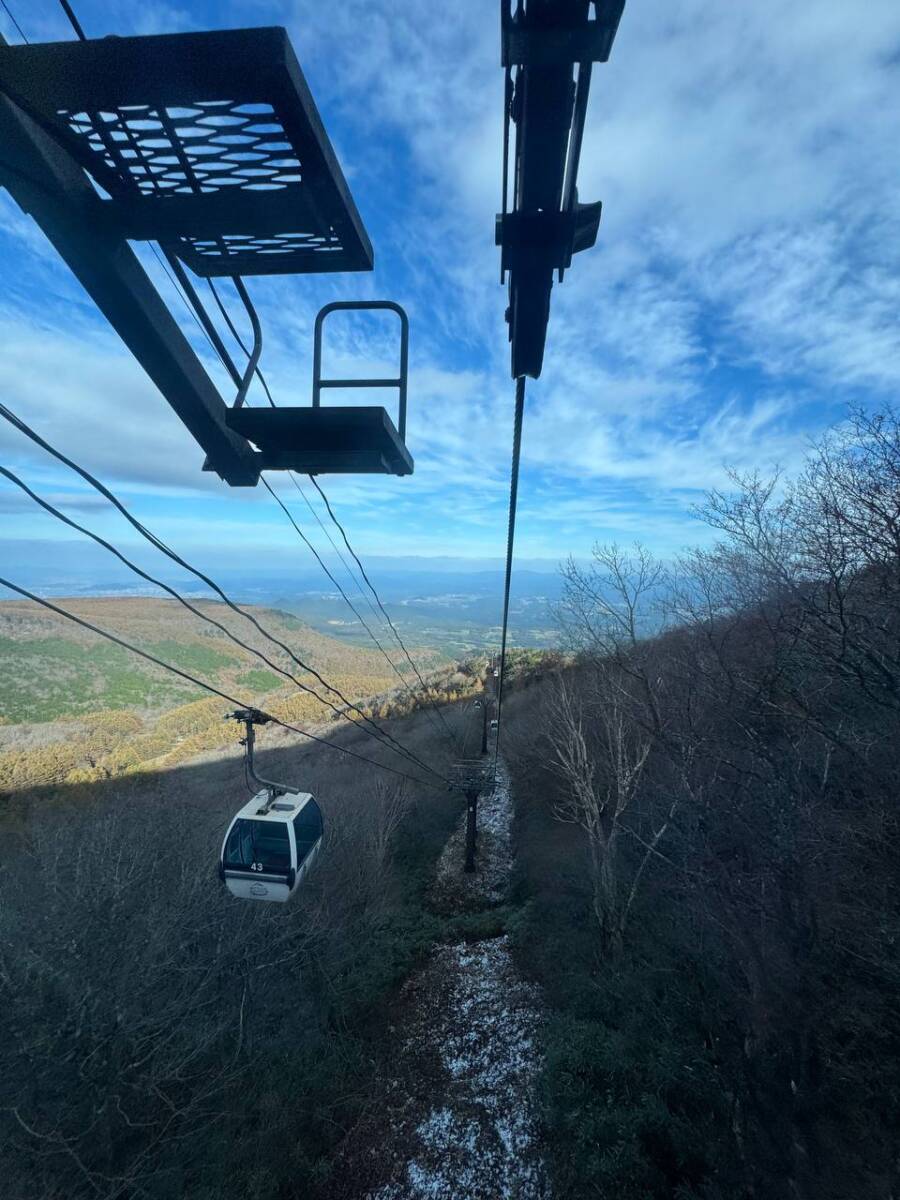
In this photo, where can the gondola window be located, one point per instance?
(307, 829)
(259, 845)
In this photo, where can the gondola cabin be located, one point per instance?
(270, 845)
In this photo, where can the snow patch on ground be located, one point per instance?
(479, 1140)
(461, 1111)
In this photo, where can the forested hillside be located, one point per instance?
(74, 707)
(160, 1038)
(708, 831)
(54, 669)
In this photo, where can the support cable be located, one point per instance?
(380, 735)
(192, 312)
(387, 658)
(158, 544)
(201, 316)
(510, 541)
(253, 359)
(16, 24)
(105, 633)
(371, 587)
(287, 512)
(354, 579)
(73, 20)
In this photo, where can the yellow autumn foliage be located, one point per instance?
(113, 743)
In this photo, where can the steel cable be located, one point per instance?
(19, 424)
(380, 735)
(510, 541)
(371, 587)
(104, 633)
(18, 27)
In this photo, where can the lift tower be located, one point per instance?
(470, 776)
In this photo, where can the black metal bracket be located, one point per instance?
(250, 717)
(550, 35)
(550, 238)
(543, 44)
(469, 775)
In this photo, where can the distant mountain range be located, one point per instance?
(453, 605)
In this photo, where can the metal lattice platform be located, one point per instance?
(210, 143)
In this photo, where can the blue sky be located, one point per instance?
(744, 287)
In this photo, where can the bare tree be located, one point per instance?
(598, 755)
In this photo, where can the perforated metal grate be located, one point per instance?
(210, 143)
(234, 245)
(214, 144)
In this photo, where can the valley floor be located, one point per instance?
(455, 1114)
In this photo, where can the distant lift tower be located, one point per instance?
(211, 145)
(542, 44)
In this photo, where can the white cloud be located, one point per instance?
(798, 302)
(744, 282)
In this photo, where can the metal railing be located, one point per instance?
(399, 383)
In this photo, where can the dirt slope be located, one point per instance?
(455, 1118)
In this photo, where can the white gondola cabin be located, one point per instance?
(274, 839)
(270, 845)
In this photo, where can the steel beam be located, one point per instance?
(47, 185)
